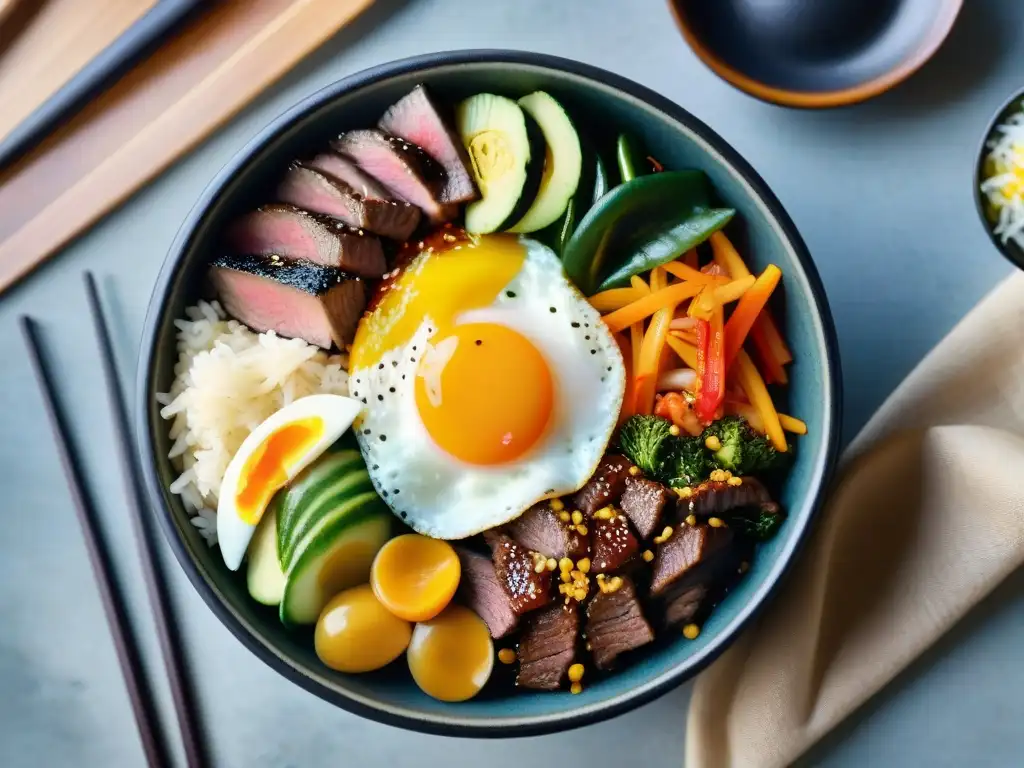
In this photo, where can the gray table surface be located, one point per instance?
(882, 194)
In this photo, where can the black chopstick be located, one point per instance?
(96, 76)
(145, 539)
(154, 745)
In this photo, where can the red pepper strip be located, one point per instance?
(773, 372)
(711, 366)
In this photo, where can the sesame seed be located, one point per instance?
(576, 688)
(557, 505)
(551, 564)
(584, 565)
(565, 564)
(581, 530)
(634, 471)
(647, 555)
(575, 673)
(690, 631)
(563, 516)
(691, 519)
(577, 517)
(715, 522)
(673, 430)
(507, 656)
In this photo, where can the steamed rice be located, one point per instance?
(228, 379)
(1003, 186)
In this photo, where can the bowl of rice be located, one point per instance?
(999, 179)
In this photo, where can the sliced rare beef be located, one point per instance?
(297, 299)
(526, 581)
(292, 233)
(319, 192)
(685, 549)
(716, 498)
(605, 486)
(541, 529)
(548, 646)
(643, 501)
(616, 624)
(480, 589)
(416, 118)
(612, 544)
(343, 169)
(681, 605)
(404, 169)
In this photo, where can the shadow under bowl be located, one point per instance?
(813, 54)
(1010, 248)
(763, 231)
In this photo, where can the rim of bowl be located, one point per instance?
(854, 94)
(1011, 251)
(449, 725)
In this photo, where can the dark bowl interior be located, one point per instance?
(1010, 249)
(811, 53)
(763, 231)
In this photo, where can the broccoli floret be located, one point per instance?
(743, 451)
(689, 463)
(759, 524)
(647, 441)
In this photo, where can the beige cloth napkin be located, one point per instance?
(926, 519)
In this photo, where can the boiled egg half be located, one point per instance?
(269, 458)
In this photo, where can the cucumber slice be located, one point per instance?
(506, 152)
(306, 494)
(335, 555)
(264, 576)
(563, 162)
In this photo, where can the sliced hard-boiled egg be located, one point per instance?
(355, 633)
(269, 458)
(451, 656)
(415, 577)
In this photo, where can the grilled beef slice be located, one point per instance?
(616, 624)
(688, 546)
(539, 528)
(643, 501)
(404, 169)
(681, 605)
(344, 170)
(416, 118)
(318, 192)
(716, 498)
(548, 646)
(605, 486)
(516, 568)
(297, 299)
(613, 544)
(293, 233)
(480, 589)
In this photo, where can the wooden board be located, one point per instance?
(192, 85)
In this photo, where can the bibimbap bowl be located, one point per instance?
(762, 232)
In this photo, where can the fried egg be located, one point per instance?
(489, 383)
(269, 458)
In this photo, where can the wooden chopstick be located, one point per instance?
(154, 745)
(145, 539)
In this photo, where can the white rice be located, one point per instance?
(227, 380)
(1004, 185)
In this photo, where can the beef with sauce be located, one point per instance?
(688, 546)
(605, 486)
(297, 299)
(548, 645)
(292, 233)
(616, 623)
(543, 530)
(481, 590)
(644, 502)
(318, 192)
(613, 544)
(716, 498)
(522, 573)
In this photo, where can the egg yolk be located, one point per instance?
(266, 470)
(484, 393)
(451, 656)
(355, 633)
(415, 576)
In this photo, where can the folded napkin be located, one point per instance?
(926, 519)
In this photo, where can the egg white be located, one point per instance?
(441, 496)
(337, 413)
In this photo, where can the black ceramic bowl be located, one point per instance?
(764, 233)
(1010, 249)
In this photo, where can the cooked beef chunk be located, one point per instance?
(681, 606)
(643, 502)
(605, 486)
(344, 170)
(293, 233)
(516, 567)
(548, 646)
(716, 498)
(480, 589)
(612, 545)
(318, 192)
(403, 168)
(539, 528)
(416, 118)
(688, 546)
(616, 624)
(297, 299)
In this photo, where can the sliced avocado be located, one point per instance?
(264, 576)
(506, 152)
(563, 162)
(334, 555)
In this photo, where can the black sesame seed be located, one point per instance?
(552, 310)
(376, 467)
(380, 398)
(384, 494)
(366, 431)
(396, 491)
(414, 348)
(586, 325)
(404, 515)
(510, 294)
(586, 338)
(394, 363)
(392, 389)
(479, 342)
(383, 438)
(593, 351)
(381, 366)
(609, 369)
(602, 378)
(412, 359)
(575, 325)
(403, 377)
(364, 401)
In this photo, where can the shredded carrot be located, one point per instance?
(648, 305)
(658, 167)
(659, 279)
(687, 352)
(638, 283)
(705, 304)
(685, 272)
(683, 324)
(748, 310)
(690, 259)
(636, 337)
(734, 290)
(776, 342)
(773, 371)
(650, 358)
(757, 393)
(791, 424)
(615, 298)
(727, 257)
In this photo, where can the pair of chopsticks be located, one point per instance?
(154, 743)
